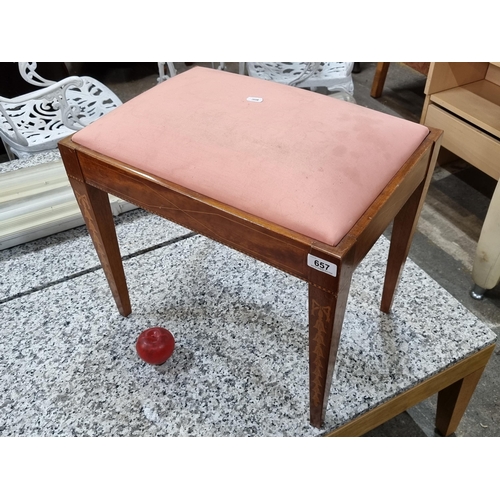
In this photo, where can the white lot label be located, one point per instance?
(321, 265)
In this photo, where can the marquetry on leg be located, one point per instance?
(96, 210)
(453, 401)
(326, 315)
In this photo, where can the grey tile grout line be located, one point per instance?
(95, 268)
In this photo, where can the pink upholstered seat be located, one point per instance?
(305, 161)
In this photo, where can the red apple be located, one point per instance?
(155, 345)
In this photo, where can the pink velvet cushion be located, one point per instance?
(302, 160)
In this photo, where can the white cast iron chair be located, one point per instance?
(335, 76)
(37, 121)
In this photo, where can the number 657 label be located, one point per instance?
(321, 265)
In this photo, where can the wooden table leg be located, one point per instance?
(453, 401)
(96, 211)
(404, 226)
(402, 234)
(379, 79)
(326, 315)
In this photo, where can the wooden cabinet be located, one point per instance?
(463, 99)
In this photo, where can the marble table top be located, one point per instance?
(68, 365)
(32, 160)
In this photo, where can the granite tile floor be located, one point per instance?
(59, 278)
(240, 363)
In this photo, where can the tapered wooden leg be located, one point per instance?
(453, 401)
(403, 229)
(326, 315)
(379, 79)
(404, 226)
(95, 208)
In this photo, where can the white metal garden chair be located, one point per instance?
(37, 121)
(335, 76)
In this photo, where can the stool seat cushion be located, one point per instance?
(304, 161)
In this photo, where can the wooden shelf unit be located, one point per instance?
(463, 99)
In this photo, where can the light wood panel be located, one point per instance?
(478, 103)
(447, 75)
(467, 142)
(493, 73)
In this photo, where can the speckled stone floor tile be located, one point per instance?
(32, 265)
(27, 267)
(68, 365)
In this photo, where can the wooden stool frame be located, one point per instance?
(93, 175)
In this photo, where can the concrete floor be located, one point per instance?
(443, 246)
